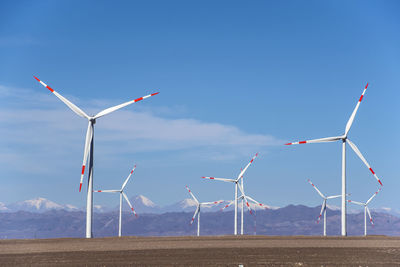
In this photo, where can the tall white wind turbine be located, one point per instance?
(198, 209)
(344, 140)
(89, 147)
(366, 210)
(323, 206)
(236, 182)
(121, 193)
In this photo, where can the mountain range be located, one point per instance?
(42, 218)
(289, 220)
(141, 204)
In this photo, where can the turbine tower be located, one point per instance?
(198, 209)
(344, 140)
(366, 209)
(323, 206)
(121, 193)
(236, 182)
(89, 147)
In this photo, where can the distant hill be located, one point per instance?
(289, 220)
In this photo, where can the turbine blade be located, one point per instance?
(88, 142)
(319, 192)
(331, 197)
(320, 140)
(247, 204)
(241, 189)
(129, 203)
(357, 151)
(245, 198)
(374, 195)
(245, 169)
(107, 191)
(227, 205)
(114, 108)
(258, 203)
(190, 192)
(323, 207)
(356, 202)
(351, 119)
(72, 106)
(370, 217)
(212, 202)
(195, 213)
(219, 179)
(127, 179)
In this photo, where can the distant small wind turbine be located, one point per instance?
(236, 182)
(243, 198)
(198, 209)
(366, 209)
(323, 206)
(121, 193)
(89, 147)
(344, 140)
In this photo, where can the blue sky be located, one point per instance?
(235, 78)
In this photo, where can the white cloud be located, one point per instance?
(35, 125)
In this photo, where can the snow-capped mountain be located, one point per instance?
(39, 204)
(188, 205)
(252, 205)
(98, 208)
(142, 204)
(3, 207)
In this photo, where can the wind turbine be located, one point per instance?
(198, 207)
(323, 206)
(121, 193)
(366, 209)
(89, 147)
(244, 198)
(344, 140)
(236, 182)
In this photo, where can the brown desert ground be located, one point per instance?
(203, 251)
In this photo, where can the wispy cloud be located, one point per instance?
(45, 124)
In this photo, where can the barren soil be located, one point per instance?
(203, 251)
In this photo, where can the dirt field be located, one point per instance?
(203, 251)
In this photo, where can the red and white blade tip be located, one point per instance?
(45, 85)
(141, 98)
(295, 143)
(134, 167)
(134, 211)
(372, 171)
(251, 161)
(366, 86)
